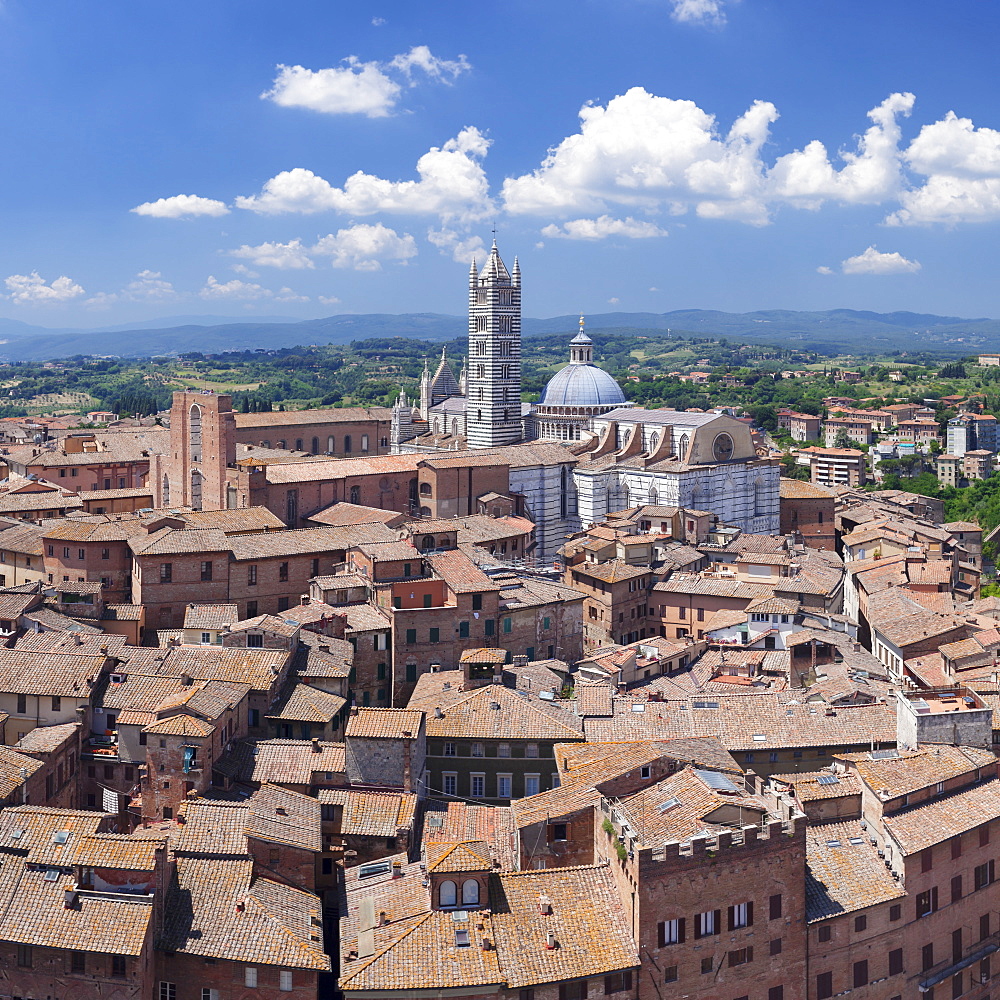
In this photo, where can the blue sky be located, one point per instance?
(255, 157)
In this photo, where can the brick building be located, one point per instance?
(343, 432)
(808, 509)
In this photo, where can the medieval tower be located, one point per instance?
(202, 445)
(493, 372)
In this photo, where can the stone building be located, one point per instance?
(345, 432)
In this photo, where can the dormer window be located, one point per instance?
(448, 893)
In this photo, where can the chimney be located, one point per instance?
(316, 748)
(305, 599)
(69, 897)
(240, 906)
(397, 869)
(186, 680)
(77, 639)
(438, 714)
(544, 905)
(550, 940)
(382, 920)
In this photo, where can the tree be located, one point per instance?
(843, 439)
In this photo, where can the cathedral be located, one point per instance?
(621, 455)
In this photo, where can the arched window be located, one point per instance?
(653, 495)
(448, 893)
(194, 429)
(282, 444)
(428, 542)
(443, 542)
(682, 446)
(654, 440)
(470, 892)
(166, 490)
(759, 498)
(355, 494)
(298, 444)
(196, 490)
(331, 445)
(315, 445)
(425, 489)
(425, 512)
(347, 444)
(454, 427)
(265, 444)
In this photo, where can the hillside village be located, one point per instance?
(477, 696)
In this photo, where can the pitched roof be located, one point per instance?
(283, 762)
(939, 819)
(371, 814)
(384, 723)
(843, 871)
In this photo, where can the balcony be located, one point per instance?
(101, 748)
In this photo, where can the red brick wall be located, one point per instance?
(191, 974)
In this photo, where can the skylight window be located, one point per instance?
(60, 836)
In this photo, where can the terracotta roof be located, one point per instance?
(181, 725)
(451, 822)
(294, 418)
(213, 827)
(939, 819)
(12, 764)
(280, 816)
(912, 770)
(283, 762)
(53, 675)
(809, 788)
(843, 871)
(210, 616)
(46, 739)
(116, 850)
(371, 814)
(384, 723)
(217, 910)
(590, 926)
(460, 573)
(309, 704)
(593, 699)
(467, 856)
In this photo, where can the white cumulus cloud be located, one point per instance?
(873, 262)
(603, 226)
(660, 155)
(823, 269)
(461, 247)
(284, 256)
(148, 286)
(961, 164)
(31, 289)
(452, 185)
(364, 247)
(235, 289)
(358, 87)
(698, 11)
(181, 206)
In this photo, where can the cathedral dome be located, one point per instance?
(582, 385)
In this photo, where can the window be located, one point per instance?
(740, 915)
(927, 902)
(573, 991)
(507, 625)
(926, 957)
(617, 982)
(532, 784)
(927, 860)
(478, 750)
(984, 836)
(255, 641)
(956, 848)
(250, 976)
(706, 966)
(435, 635)
(861, 973)
(645, 771)
(283, 572)
(707, 923)
(895, 961)
(463, 630)
(984, 875)
(252, 575)
(984, 926)
(206, 571)
(823, 934)
(449, 750)
(449, 783)
(207, 993)
(78, 961)
(490, 626)
(670, 974)
(531, 750)
(559, 831)
(22, 704)
(166, 572)
(671, 932)
(503, 749)
(117, 965)
(860, 923)
(168, 991)
(774, 907)
(56, 703)
(776, 993)
(251, 609)
(470, 892)
(504, 786)
(956, 888)
(411, 635)
(741, 956)
(477, 602)
(774, 946)
(477, 786)
(895, 911)
(285, 980)
(824, 985)
(448, 893)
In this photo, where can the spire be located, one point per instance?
(473, 273)
(515, 275)
(581, 347)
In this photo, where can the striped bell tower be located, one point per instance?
(493, 373)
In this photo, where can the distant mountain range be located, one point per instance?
(832, 331)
